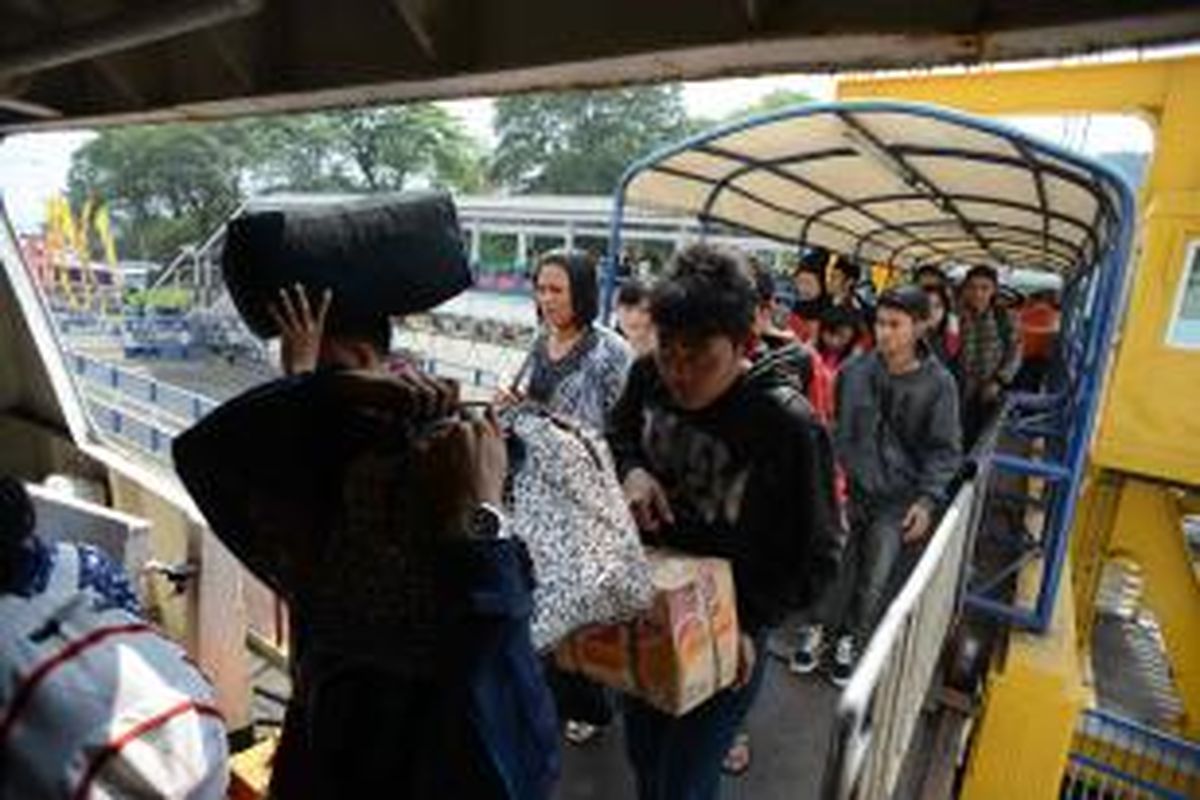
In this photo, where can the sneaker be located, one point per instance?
(808, 654)
(580, 733)
(845, 654)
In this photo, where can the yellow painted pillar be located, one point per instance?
(1148, 530)
(1094, 516)
(1034, 699)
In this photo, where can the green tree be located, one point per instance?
(168, 185)
(772, 101)
(392, 146)
(581, 142)
(164, 185)
(298, 153)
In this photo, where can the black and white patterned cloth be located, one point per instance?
(567, 506)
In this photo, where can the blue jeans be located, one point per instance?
(679, 758)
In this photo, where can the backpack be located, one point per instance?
(99, 704)
(568, 508)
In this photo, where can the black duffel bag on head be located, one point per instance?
(382, 255)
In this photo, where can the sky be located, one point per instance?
(33, 167)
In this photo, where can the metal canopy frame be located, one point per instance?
(1091, 259)
(973, 214)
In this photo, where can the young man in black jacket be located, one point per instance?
(719, 458)
(898, 438)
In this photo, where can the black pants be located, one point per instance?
(578, 698)
(977, 415)
(874, 552)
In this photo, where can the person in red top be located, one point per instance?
(841, 336)
(797, 357)
(812, 298)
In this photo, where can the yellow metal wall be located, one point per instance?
(1151, 420)
(1033, 701)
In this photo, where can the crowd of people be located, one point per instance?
(906, 381)
(810, 443)
(901, 381)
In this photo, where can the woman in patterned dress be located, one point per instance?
(576, 367)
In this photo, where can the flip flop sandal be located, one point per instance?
(738, 758)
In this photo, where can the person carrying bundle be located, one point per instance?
(371, 502)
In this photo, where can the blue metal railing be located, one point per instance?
(146, 435)
(1064, 417)
(184, 406)
(137, 409)
(463, 373)
(148, 413)
(1114, 757)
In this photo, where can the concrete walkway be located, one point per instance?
(789, 731)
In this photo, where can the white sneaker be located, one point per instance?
(808, 653)
(845, 656)
(579, 733)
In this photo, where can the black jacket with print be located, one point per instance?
(750, 479)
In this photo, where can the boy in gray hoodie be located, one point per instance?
(898, 439)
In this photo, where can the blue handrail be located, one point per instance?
(1112, 751)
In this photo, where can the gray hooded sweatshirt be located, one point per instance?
(898, 437)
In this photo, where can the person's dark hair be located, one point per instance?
(377, 331)
(943, 293)
(764, 281)
(581, 276)
(841, 317)
(850, 268)
(912, 300)
(17, 520)
(815, 260)
(931, 271)
(983, 271)
(632, 292)
(709, 292)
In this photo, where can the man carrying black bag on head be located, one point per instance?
(371, 502)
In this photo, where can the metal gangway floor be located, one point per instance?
(789, 733)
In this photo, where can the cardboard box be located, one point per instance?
(678, 654)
